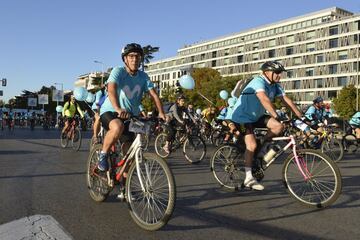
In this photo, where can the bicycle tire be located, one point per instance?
(191, 146)
(160, 141)
(153, 169)
(98, 189)
(227, 166)
(76, 140)
(349, 142)
(333, 148)
(313, 160)
(63, 140)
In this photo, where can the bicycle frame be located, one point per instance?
(291, 143)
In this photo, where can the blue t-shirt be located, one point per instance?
(248, 108)
(222, 114)
(98, 95)
(355, 119)
(314, 114)
(130, 90)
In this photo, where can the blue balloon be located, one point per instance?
(59, 108)
(90, 98)
(187, 82)
(224, 94)
(231, 101)
(198, 111)
(80, 93)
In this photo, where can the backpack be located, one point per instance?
(240, 86)
(102, 98)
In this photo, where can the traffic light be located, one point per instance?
(3, 82)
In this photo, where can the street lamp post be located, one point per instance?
(357, 73)
(57, 102)
(102, 71)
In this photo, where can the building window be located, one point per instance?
(332, 69)
(226, 51)
(213, 63)
(309, 72)
(214, 54)
(240, 58)
(297, 61)
(271, 53)
(343, 55)
(332, 94)
(289, 50)
(290, 39)
(309, 96)
(290, 73)
(333, 43)
(319, 83)
(333, 30)
(310, 47)
(342, 81)
(226, 61)
(255, 46)
(202, 56)
(310, 35)
(272, 43)
(319, 58)
(297, 84)
(255, 56)
(240, 49)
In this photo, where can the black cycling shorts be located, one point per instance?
(107, 117)
(261, 123)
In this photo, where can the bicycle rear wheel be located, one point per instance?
(97, 187)
(76, 140)
(323, 184)
(160, 142)
(333, 148)
(194, 149)
(349, 142)
(151, 209)
(227, 165)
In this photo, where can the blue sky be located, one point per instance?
(43, 41)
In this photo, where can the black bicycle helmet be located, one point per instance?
(318, 99)
(132, 47)
(181, 96)
(273, 66)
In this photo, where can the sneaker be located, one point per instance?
(253, 184)
(103, 163)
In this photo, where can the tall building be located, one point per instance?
(320, 50)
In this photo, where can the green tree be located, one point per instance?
(148, 54)
(345, 103)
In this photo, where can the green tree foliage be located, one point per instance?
(345, 103)
(148, 54)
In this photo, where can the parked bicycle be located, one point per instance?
(145, 180)
(194, 148)
(72, 134)
(309, 176)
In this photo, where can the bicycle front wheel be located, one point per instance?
(194, 149)
(63, 140)
(76, 140)
(152, 207)
(227, 165)
(322, 183)
(333, 148)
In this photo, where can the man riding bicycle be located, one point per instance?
(176, 119)
(69, 111)
(249, 109)
(126, 86)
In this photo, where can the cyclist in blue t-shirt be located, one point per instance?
(315, 113)
(96, 109)
(355, 123)
(125, 87)
(249, 109)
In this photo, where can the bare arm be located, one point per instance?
(158, 103)
(266, 102)
(286, 100)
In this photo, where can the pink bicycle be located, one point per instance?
(310, 176)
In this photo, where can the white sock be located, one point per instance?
(103, 152)
(248, 173)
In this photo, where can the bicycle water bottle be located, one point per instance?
(271, 153)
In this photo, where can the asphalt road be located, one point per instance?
(37, 177)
